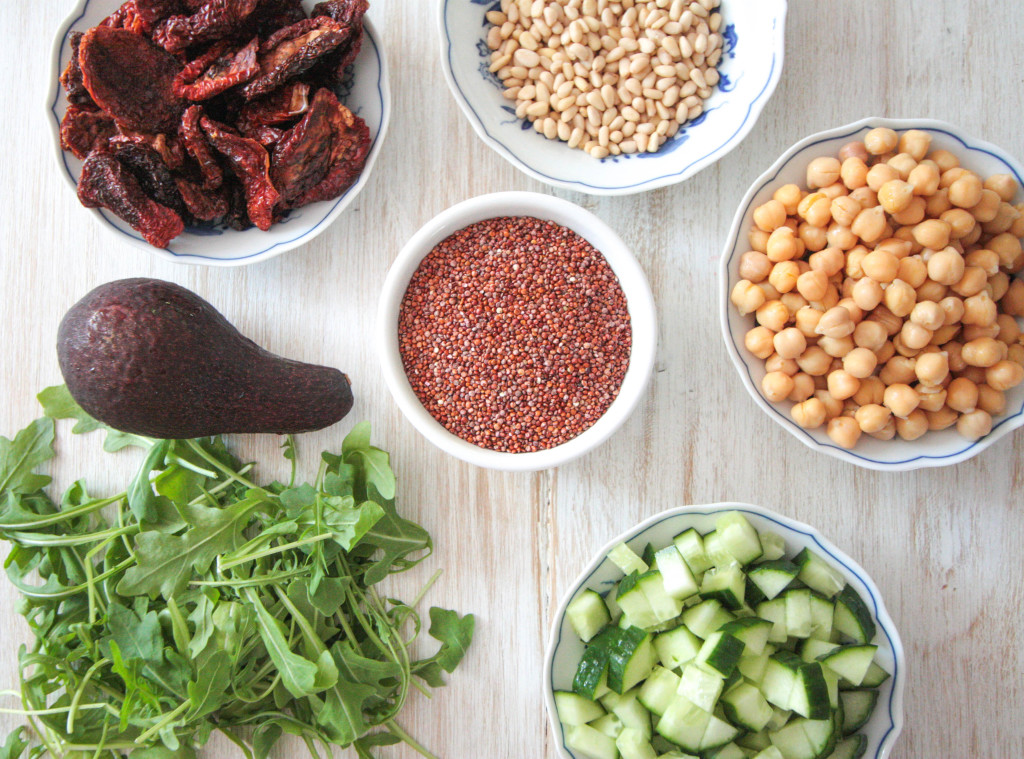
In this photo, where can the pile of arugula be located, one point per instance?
(198, 601)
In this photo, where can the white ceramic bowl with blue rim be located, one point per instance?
(565, 648)
(750, 69)
(367, 94)
(933, 449)
(632, 280)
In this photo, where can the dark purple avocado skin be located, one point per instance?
(152, 358)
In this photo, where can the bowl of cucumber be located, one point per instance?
(724, 631)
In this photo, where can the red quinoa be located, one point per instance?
(514, 334)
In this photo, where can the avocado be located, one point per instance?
(153, 358)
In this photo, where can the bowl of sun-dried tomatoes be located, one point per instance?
(219, 132)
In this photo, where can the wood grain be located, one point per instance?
(943, 545)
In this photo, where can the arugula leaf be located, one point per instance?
(30, 448)
(396, 538)
(15, 744)
(207, 691)
(57, 403)
(341, 713)
(145, 504)
(455, 634)
(298, 674)
(136, 638)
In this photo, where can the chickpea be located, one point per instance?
(842, 385)
(895, 195)
(924, 178)
(746, 297)
(822, 172)
(854, 261)
(881, 140)
(871, 390)
(790, 343)
(991, 400)
(869, 224)
(888, 432)
(954, 351)
(972, 282)
(759, 342)
(965, 192)
(793, 301)
(790, 196)
(938, 203)
(904, 163)
(933, 233)
(901, 399)
(854, 172)
(962, 395)
(1003, 185)
(913, 426)
(844, 431)
(1009, 250)
(931, 290)
(984, 259)
(833, 406)
(865, 196)
(983, 352)
(1015, 353)
(812, 284)
(859, 363)
(1004, 375)
(928, 314)
(975, 374)
(754, 266)
(784, 275)
(758, 239)
(776, 386)
(913, 271)
(998, 284)
(1013, 300)
(944, 159)
(807, 321)
(886, 352)
(770, 216)
(814, 361)
(803, 387)
(1004, 220)
(974, 425)
(840, 236)
(951, 175)
(844, 210)
(829, 260)
(773, 315)
(856, 312)
(813, 238)
(915, 142)
(898, 370)
(872, 417)
(944, 334)
(867, 293)
(783, 245)
(974, 332)
(942, 419)
(835, 322)
(952, 309)
(914, 336)
(836, 347)
(946, 266)
(932, 368)
(879, 174)
(915, 211)
(887, 319)
(1009, 331)
(979, 309)
(816, 209)
(870, 335)
(853, 149)
(880, 265)
(1017, 228)
(987, 208)
(933, 397)
(900, 298)
(809, 414)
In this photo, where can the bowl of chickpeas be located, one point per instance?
(872, 293)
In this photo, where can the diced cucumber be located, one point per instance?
(706, 617)
(726, 584)
(664, 606)
(875, 676)
(588, 614)
(648, 555)
(663, 746)
(717, 733)
(822, 611)
(630, 659)
(753, 631)
(591, 672)
(728, 751)
(780, 678)
(752, 666)
(773, 546)
(745, 707)
(804, 739)
(658, 690)
(634, 603)
(675, 573)
(822, 734)
(773, 577)
(851, 662)
(700, 687)
(810, 696)
(769, 753)
(813, 649)
(609, 724)
(626, 559)
(629, 710)
(720, 653)
(690, 544)
(798, 613)
(684, 724)
(590, 742)
(853, 747)
(775, 612)
(676, 755)
(718, 554)
(754, 742)
(632, 744)
(676, 647)
(576, 710)
(779, 718)
(858, 706)
(738, 537)
(851, 616)
(817, 574)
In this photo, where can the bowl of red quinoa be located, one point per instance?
(516, 331)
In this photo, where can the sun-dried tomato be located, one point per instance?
(291, 51)
(296, 164)
(130, 78)
(154, 11)
(169, 148)
(198, 146)
(272, 15)
(348, 13)
(258, 118)
(251, 164)
(71, 78)
(83, 129)
(128, 17)
(214, 20)
(106, 183)
(307, 151)
(202, 204)
(146, 165)
(217, 70)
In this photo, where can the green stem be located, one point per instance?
(225, 470)
(250, 581)
(74, 706)
(237, 741)
(62, 516)
(397, 730)
(168, 719)
(234, 562)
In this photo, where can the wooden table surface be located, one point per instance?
(944, 545)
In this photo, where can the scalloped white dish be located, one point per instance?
(565, 648)
(367, 95)
(935, 448)
(754, 32)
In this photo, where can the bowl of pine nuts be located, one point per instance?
(872, 293)
(612, 97)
